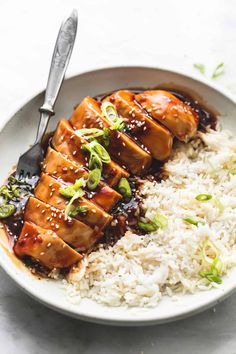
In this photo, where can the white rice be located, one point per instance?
(139, 270)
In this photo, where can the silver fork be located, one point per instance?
(29, 163)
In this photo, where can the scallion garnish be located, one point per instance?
(193, 222)
(200, 67)
(73, 192)
(124, 188)
(211, 262)
(203, 197)
(94, 178)
(106, 137)
(219, 70)
(219, 205)
(89, 133)
(80, 209)
(160, 221)
(67, 192)
(6, 210)
(147, 226)
(109, 111)
(98, 154)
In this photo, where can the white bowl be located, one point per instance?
(19, 132)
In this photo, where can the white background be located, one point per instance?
(168, 33)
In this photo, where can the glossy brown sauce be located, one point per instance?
(125, 213)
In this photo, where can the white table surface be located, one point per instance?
(169, 33)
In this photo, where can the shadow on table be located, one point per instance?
(31, 325)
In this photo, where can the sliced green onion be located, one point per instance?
(81, 182)
(101, 152)
(95, 161)
(209, 248)
(94, 178)
(200, 67)
(219, 70)
(81, 209)
(77, 195)
(109, 111)
(89, 133)
(203, 197)
(6, 210)
(106, 137)
(98, 154)
(149, 226)
(67, 192)
(160, 221)
(16, 191)
(210, 259)
(124, 188)
(6, 193)
(193, 222)
(211, 277)
(219, 205)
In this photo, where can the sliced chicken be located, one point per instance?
(121, 147)
(46, 247)
(171, 112)
(72, 231)
(69, 144)
(47, 190)
(57, 165)
(155, 137)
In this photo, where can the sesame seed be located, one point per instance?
(38, 205)
(77, 170)
(133, 115)
(43, 211)
(48, 218)
(74, 153)
(64, 245)
(53, 189)
(49, 244)
(41, 253)
(58, 201)
(51, 194)
(25, 235)
(44, 166)
(71, 168)
(47, 206)
(55, 172)
(50, 185)
(149, 110)
(72, 136)
(64, 169)
(62, 138)
(123, 144)
(93, 210)
(54, 236)
(57, 226)
(52, 224)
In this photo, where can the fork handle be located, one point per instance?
(60, 59)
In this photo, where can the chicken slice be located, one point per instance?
(88, 115)
(56, 165)
(69, 144)
(45, 247)
(156, 138)
(171, 112)
(47, 190)
(72, 231)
